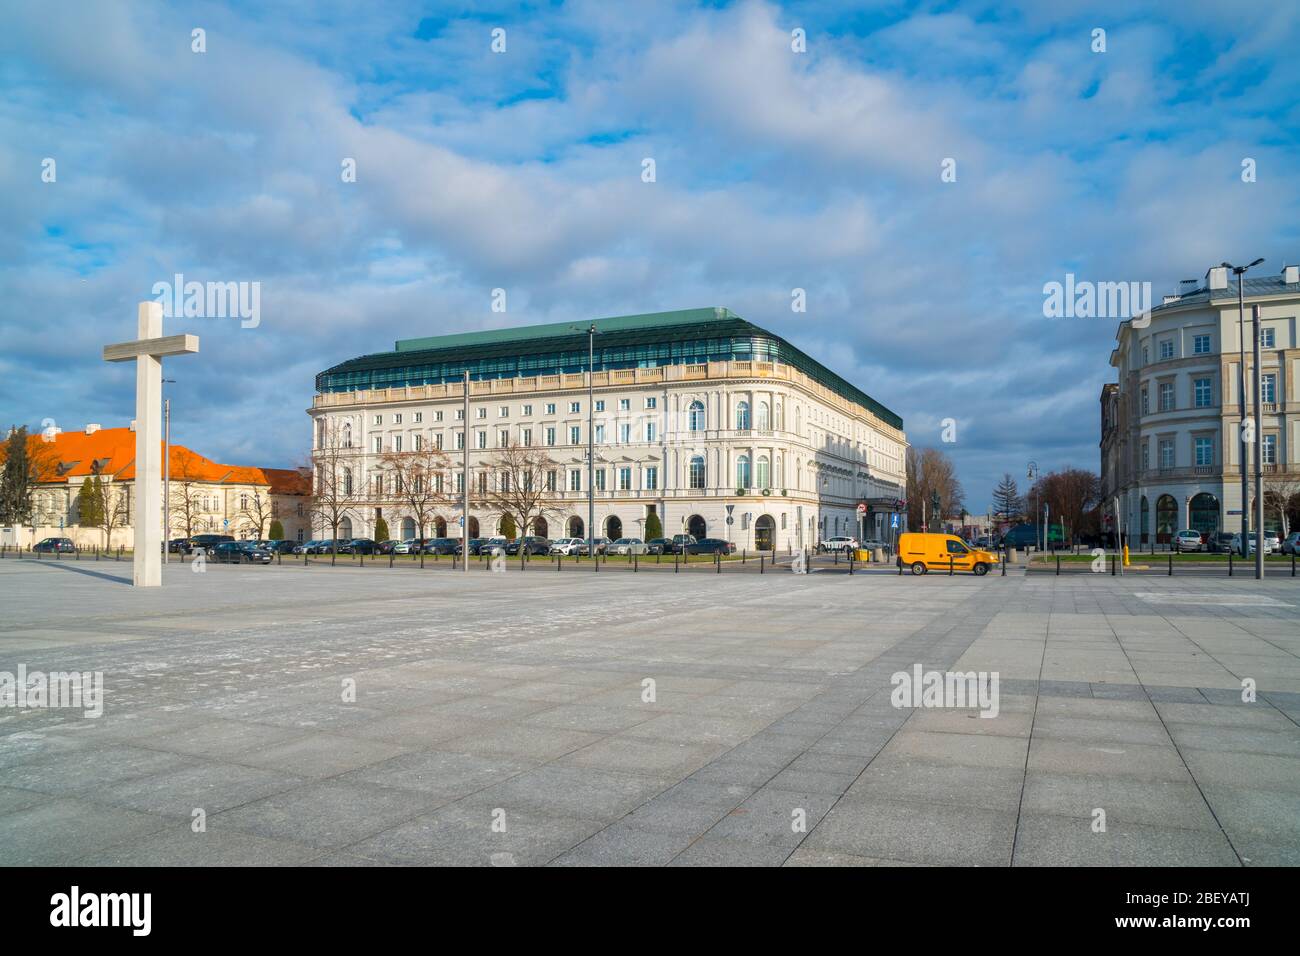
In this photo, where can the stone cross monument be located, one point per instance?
(147, 352)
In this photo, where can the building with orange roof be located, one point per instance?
(205, 496)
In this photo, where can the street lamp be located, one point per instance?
(1031, 475)
(1239, 272)
(167, 472)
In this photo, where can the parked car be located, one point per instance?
(600, 544)
(281, 546)
(326, 546)
(202, 542)
(658, 546)
(386, 546)
(1250, 544)
(710, 546)
(441, 546)
(838, 543)
(357, 546)
(679, 543)
(1292, 543)
(1021, 537)
(1220, 543)
(566, 545)
(55, 545)
(474, 545)
(628, 546)
(530, 544)
(1188, 540)
(921, 552)
(305, 547)
(178, 545)
(238, 552)
(1274, 539)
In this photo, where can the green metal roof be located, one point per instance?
(687, 336)
(616, 323)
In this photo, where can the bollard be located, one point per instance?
(742, 555)
(634, 568)
(1171, 566)
(1058, 565)
(279, 559)
(760, 562)
(1003, 562)
(950, 565)
(674, 562)
(850, 564)
(717, 560)
(1229, 564)
(390, 558)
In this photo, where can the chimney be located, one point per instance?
(1291, 274)
(133, 424)
(1217, 278)
(92, 428)
(1188, 286)
(1170, 298)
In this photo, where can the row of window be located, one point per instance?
(1202, 393)
(1202, 452)
(1202, 344)
(503, 411)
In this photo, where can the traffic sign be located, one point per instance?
(862, 509)
(893, 521)
(730, 520)
(730, 508)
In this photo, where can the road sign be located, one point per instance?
(730, 508)
(225, 522)
(893, 521)
(862, 509)
(730, 520)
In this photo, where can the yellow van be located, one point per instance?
(923, 552)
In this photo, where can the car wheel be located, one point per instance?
(981, 570)
(918, 568)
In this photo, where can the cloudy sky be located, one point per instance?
(522, 170)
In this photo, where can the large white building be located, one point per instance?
(1170, 446)
(699, 416)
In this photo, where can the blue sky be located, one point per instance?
(775, 170)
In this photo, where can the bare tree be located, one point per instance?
(931, 473)
(516, 486)
(111, 507)
(187, 491)
(255, 511)
(1282, 497)
(336, 485)
(1071, 495)
(418, 482)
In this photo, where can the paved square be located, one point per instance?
(503, 719)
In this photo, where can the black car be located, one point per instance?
(442, 546)
(710, 546)
(238, 552)
(1220, 543)
(55, 545)
(386, 547)
(531, 544)
(658, 546)
(475, 544)
(357, 546)
(178, 545)
(324, 546)
(205, 542)
(280, 545)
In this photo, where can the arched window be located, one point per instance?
(695, 417)
(347, 481)
(742, 416)
(697, 472)
(742, 472)
(764, 422)
(764, 473)
(1166, 518)
(347, 435)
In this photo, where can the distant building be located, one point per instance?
(699, 416)
(1170, 425)
(206, 497)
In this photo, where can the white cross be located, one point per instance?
(147, 351)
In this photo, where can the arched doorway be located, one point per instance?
(1146, 520)
(540, 527)
(1205, 513)
(345, 529)
(1166, 518)
(764, 533)
(576, 527)
(440, 527)
(408, 529)
(696, 526)
(473, 527)
(613, 528)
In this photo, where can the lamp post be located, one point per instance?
(167, 473)
(1239, 272)
(1257, 316)
(1031, 474)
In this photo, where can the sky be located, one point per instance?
(920, 170)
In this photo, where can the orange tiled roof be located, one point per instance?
(111, 451)
(288, 481)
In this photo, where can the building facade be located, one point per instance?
(1170, 426)
(698, 416)
(205, 496)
